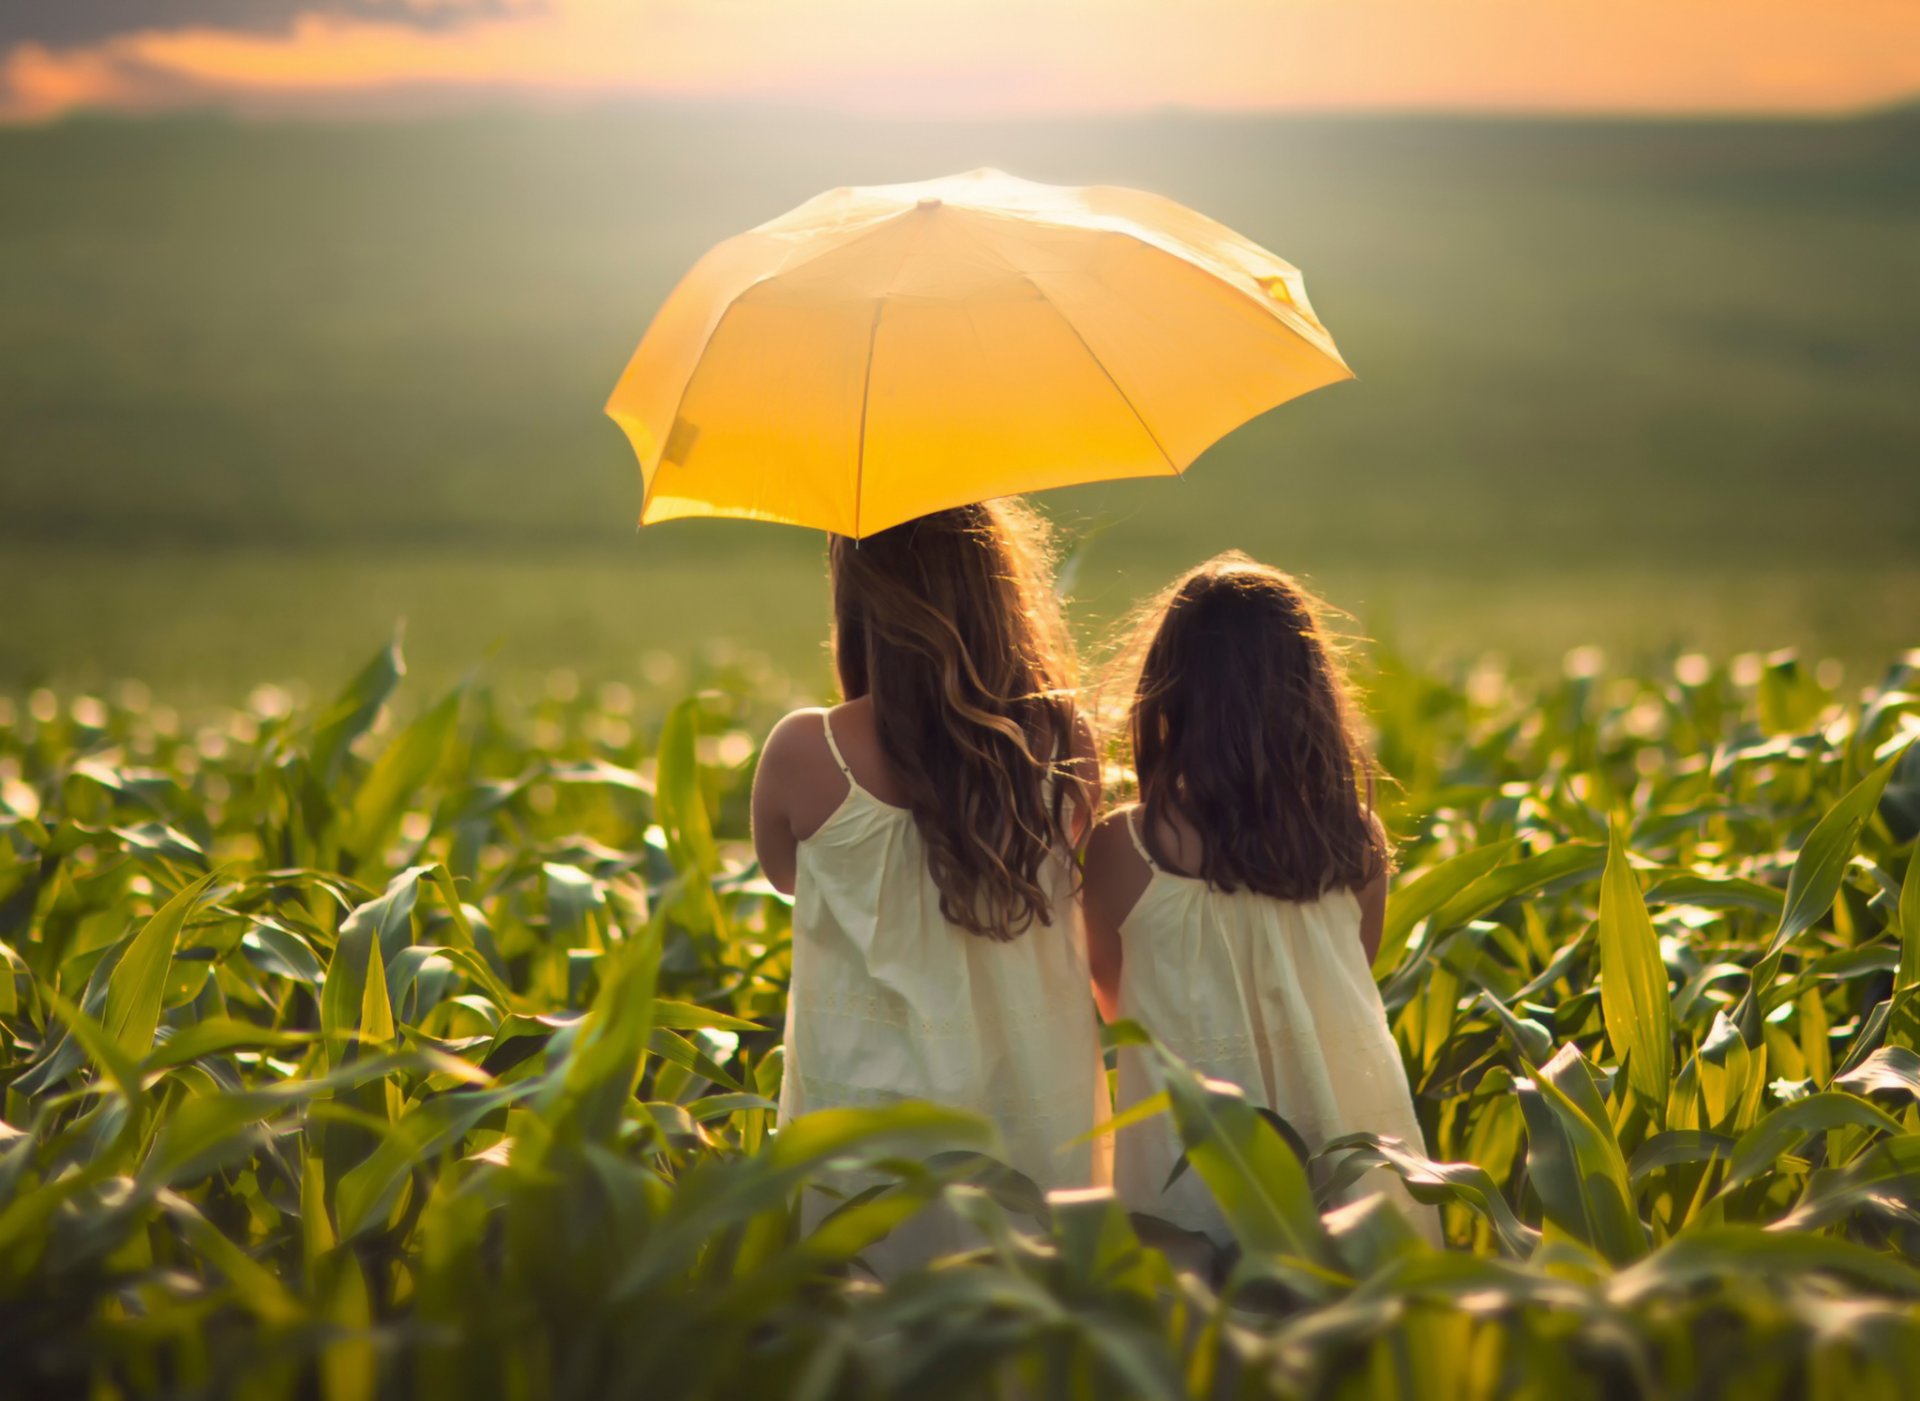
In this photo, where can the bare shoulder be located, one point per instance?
(1111, 845)
(1116, 874)
(798, 774)
(797, 760)
(798, 736)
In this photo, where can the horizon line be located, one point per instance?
(433, 103)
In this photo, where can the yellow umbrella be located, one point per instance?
(883, 352)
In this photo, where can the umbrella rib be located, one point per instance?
(1101, 365)
(919, 229)
(792, 264)
(866, 393)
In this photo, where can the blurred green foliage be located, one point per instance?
(1640, 383)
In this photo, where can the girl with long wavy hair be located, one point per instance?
(1235, 911)
(927, 828)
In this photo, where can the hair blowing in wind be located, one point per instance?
(1241, 724)
(950, 625)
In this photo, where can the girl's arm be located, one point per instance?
(1373, 895)
(1373, 914)
(1116, 877)
(774, 840)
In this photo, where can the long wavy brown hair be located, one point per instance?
(949, 622)
(1242, 722)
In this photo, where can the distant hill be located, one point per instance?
(1570, 334)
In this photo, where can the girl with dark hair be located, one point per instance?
(1236, 910)
(927, 828)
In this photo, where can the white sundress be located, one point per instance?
(1272, 995)
(890, 1002)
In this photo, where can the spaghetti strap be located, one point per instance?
(833, 747)
(1139, 842)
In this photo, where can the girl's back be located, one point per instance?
(1273, 995)
(891, 1001)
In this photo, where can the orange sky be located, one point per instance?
(1011, 56)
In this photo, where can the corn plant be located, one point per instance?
(347, 1058)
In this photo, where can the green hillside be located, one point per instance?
(265, 387)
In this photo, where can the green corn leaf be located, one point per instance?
(608, 1050)
(353, 712)
(677, 1050)
(1891, 1070)
(1900, 804)
(366, 1194)
(1885, 1179)
(97, 1044)
(219, 1035)
(255, 1288)
(376, 1008)
(713, 1107)
(574, 900)
(688, 1016)
(1467, 1183)
(1782, 1131)
(349, 1366)
(158, 839)
(815, 1139)
(66, 1054)
(1675, 1147)
(469, 962)
(139, 983)
(1096, 1242)
(398, 775)
(11, 966)
(443, 881)
(1152, 1107)
(1910, 923)
(732, 1195)
(1531, 1041)
(1574, 1161)
(679, 804)
(1822, 862)
(1715, 893)
(205, 1133)
(1371, 1234)
(1432, 889)
(1709, 1254)
(273, 948)
(1260, 1186)
(765, 1273)
(1633, 982)
(376, 930)
(1570, 861)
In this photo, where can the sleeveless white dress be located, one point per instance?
(890, 1002)
(1272, 995)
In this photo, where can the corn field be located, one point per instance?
(347, 1058)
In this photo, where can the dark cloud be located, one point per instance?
(66, 23)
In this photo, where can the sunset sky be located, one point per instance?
(961, 57)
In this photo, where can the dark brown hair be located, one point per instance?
(950, 624)
(1242, 724)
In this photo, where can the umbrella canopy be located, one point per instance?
(887, 351)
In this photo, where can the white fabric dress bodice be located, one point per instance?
(1272, 995)
(890, 1002)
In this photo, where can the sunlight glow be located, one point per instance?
(946, 57)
